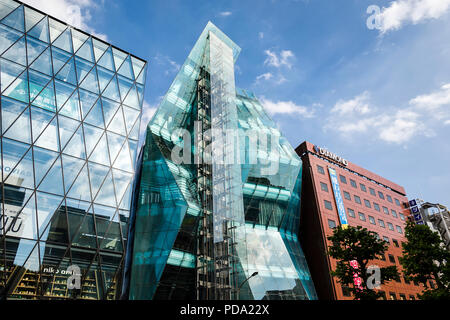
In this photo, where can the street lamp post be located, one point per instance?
(243, 282)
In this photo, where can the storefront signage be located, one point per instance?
(325, 153)
(338, 198)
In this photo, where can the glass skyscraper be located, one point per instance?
(216, 208)
(70, 115)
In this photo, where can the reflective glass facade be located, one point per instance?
(201, 226)
(70, 116)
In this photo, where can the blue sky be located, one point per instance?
(380, 97)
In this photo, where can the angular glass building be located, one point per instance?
(70, 116)
(216, 207)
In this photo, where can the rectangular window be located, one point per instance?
(376, 206)
(395, 242)
(381, 223)
(320, 169)
(328, 205)
(402, 296)
(353, 183)
(362, 216)
(394, 214)
(331, 224)
(367, 203)
(363, 187)
(381, 195)
(397, 202)
(402, 216)
(391, 258)
(399, 229)
(386, 239)
(351, 212)
(347, 196)
(372, 220)
(372, 192)
(324, 187)
(383, 295)
(412, 297)
(389, 198)
(386, 210)
(390, 226)
(343, 179)
(392, 296)
(357, 199)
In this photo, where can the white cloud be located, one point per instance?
(359, 105)
(265, 76)
(261, 35)
(283, 59)
(172, 66)
(286, 107)
(402, 12)
(421, 117)
(225, 13)
(76, 13)
(435, 104)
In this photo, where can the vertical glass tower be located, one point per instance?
(216, 208)
(70, 116)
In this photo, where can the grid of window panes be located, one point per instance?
(70, 116)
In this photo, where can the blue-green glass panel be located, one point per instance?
(20, 130)
(47, 208)
(11, 109)
(60, 57)
(9, 72)
(91, 82)
(71, 108)
(17, 89)
(115, 142)
(126, 69)
(17, 52)
(63, 92)
(132, 99)
(43, 160)
(67, 128)
(15, 19)
(7, 37)
(112, 90)
(106, 195)
(107, 60)
(40, 118)
(87, 100)
(97, 174)
(131, 115)
(78, 39)
(124, 86)
(6, 7)
(71, 168)
(34, 49)
(53, 183)
(40, 31)
(46, 98)
(80, 189)
(75, 146)
(100, 152)
(93, 135)
(64, 41)
(86, 51)
(109, 109)
(99, 48)
(95, 116)
(117, 125)
(138, 65)
(49, 138)
(104, 77)
(17, 163)
(43, 63)
(83, 68)
(123, 160)
(119, 57)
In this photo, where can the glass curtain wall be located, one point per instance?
(70, 116)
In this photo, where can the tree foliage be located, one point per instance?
(360, 245)
(424, 259)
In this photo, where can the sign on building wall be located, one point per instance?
(338, 198)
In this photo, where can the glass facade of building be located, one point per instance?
(70, 116)
(206, 219)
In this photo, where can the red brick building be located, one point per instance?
(370, 201)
